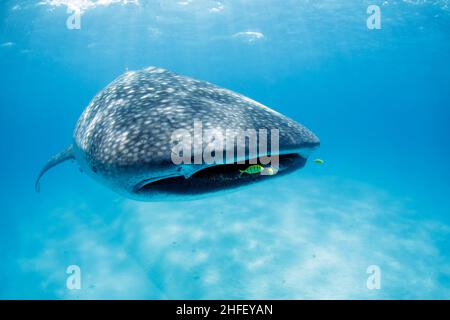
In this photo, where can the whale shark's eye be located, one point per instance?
(217, 178)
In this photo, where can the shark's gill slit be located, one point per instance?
(218, 177)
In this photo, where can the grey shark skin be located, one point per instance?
(123, 137)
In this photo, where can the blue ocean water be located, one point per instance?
(378, 100)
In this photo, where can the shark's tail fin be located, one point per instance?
(54, 161)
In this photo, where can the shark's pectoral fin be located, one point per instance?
(54, 161)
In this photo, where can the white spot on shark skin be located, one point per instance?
(249, 36)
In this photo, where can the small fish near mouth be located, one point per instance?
(218, 178)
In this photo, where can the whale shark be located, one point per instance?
(124, 138)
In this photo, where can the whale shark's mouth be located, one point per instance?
(217, 178)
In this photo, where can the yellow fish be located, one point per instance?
(254, 169)
(319, 161)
